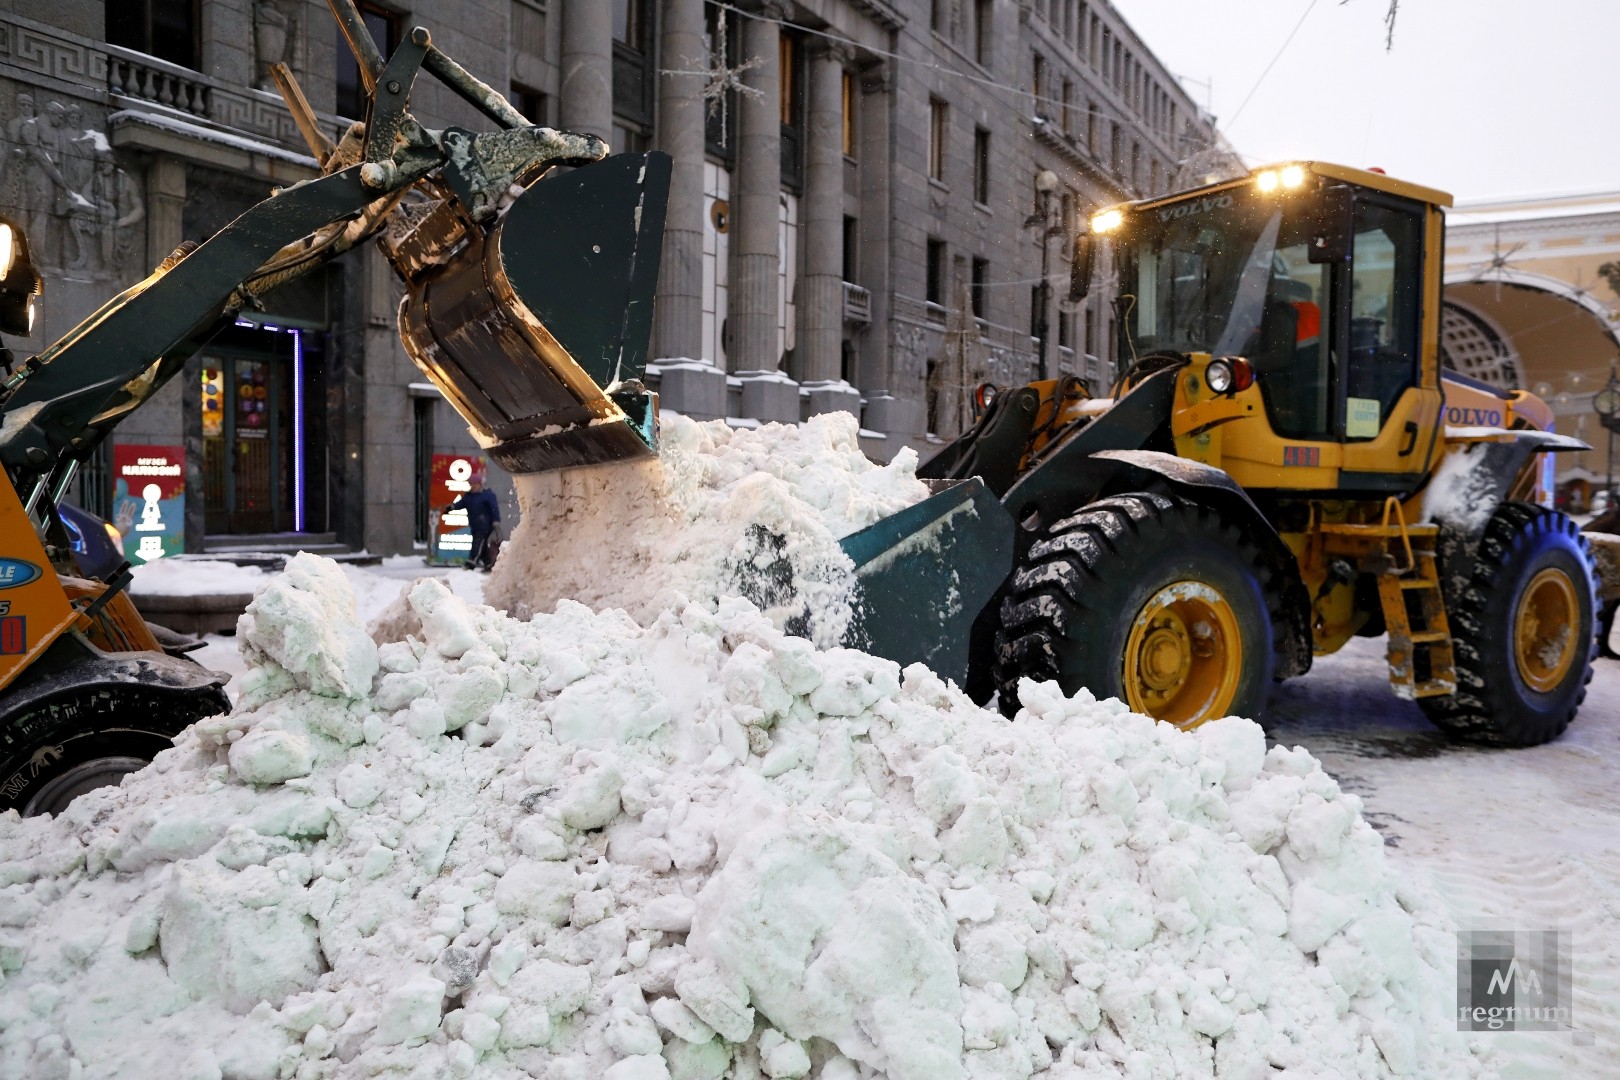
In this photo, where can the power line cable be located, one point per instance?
(1274, 59)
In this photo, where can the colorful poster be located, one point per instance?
(449, 537)
(149, 500)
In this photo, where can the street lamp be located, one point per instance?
(1046, 182)
(1606, 403)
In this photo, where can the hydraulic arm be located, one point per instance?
(555, 383)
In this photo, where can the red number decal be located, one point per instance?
(13, 636)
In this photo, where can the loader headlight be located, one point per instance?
(8, 248)
(1228, 375)
(1107, 221)
(1286, 178)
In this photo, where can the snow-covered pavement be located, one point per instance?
(1508, 839)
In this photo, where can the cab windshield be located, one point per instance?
(1194, 275)
(1229, 274)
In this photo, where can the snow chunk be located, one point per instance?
(305, 622)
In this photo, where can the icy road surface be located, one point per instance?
(1508, 839)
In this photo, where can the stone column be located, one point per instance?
(755, 349)
(687, 384)
(903, 418)
(165, 228)
(586, 102)
(165, 207)
(821, 289)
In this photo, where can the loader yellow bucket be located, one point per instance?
(536, 326)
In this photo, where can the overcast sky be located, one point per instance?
(1482, 98)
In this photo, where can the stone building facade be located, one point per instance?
(855, 221)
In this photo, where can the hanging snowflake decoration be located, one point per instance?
(719, 77)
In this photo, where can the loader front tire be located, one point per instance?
(74, 746)
(1522, 621)
(1152, 599)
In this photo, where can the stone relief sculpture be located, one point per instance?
(274, 40)
(62, 177)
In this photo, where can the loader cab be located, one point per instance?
(1327, 281)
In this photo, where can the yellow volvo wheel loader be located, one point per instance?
(1283, 465)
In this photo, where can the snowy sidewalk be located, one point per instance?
(1508, 839)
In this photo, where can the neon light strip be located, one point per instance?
(298, 431)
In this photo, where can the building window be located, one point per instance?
(790, 52)
(422, 446)
(167, 29)
(940, 16)
(529, 28)
(851, 100)
(978, 45)
(981, 166)
(852, 236)
(1068, 107)
(632, 76)
(383, 26)
(934, 283)
(980, 289)
(630, 22)
(1091, 126)
(938, 126)
(1038, 85)
(535, 106)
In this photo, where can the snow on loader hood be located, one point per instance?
(671, 841)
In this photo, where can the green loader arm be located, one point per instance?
(574, 280)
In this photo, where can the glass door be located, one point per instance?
(247, 444)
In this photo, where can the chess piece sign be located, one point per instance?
(449, 536)
(149, 500)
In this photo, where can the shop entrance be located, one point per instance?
(252, 427)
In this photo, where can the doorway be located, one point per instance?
(252, 428)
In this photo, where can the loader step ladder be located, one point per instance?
(1408, 576)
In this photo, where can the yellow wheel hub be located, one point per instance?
(1544, 630)
(1184, 657)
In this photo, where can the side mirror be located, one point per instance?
(1334, 228)
(1080, 268)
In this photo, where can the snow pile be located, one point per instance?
(720, 511)
(576, 848)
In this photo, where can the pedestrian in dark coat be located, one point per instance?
(483, 515)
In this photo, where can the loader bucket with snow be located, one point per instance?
(536, 327)
(925, 574)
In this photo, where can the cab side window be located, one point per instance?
(1386, 274)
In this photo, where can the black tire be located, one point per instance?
(52, 754)
(1072, 604)
(1523, 552)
